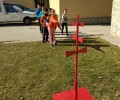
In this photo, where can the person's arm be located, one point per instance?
(41, 13)
(47, 21)
(67, 17)
(63, 16)
(58, 24)
(37, 13)
(42, 21)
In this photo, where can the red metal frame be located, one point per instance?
(76, 62)
(77, 93)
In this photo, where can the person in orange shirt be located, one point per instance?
(43, 23)
(53, 23)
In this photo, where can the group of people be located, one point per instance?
(48, 22)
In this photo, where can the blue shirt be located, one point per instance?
(38, 13)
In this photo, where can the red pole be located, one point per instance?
(76, 61)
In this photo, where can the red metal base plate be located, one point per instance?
(83, 94)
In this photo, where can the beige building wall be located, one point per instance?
(47, 4)
(115, 25)
(26, 3)
(90, 11)
(55, 4)
(87, 8)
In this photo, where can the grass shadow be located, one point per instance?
(60, 36)
(88, 42)
(64, 33)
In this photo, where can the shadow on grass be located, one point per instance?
(81, 34)
(87, 42)
(84, 35)
(70, 33)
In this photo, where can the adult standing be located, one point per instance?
(40, 15)
(38, 11)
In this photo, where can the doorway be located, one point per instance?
(44, 3)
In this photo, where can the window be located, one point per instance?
(20, 6)
(10, 9)
(0, 9)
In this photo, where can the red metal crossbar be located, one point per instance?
(74, 37)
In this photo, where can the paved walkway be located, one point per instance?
(21, 33)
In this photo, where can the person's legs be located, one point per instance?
(50, 36)
(44, 34)
(41, 29)
(39, 24)
(66, 26)
(54, 40)
(62, 28)
(38, 21)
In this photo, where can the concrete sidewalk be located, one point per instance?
(22, 33)
(19, 33)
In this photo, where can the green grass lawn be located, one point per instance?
(34, 71)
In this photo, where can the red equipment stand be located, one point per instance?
(77, 93)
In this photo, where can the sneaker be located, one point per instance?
(56, 43)
(51, 45)
(43, 41)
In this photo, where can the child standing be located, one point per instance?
(53, 23)
(49, 14)
(44, 26)
(64, 21)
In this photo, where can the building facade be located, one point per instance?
(115, 25)
(27, 3)
(90, 11)
(30, 3)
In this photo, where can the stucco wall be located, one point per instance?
(26, 3)
(87, 8)
(47, 4)
(55, 4)
(91, 11)
(115, 25)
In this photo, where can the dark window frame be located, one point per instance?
(8, 10)
(0, 9)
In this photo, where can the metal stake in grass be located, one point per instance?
(77, 93)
